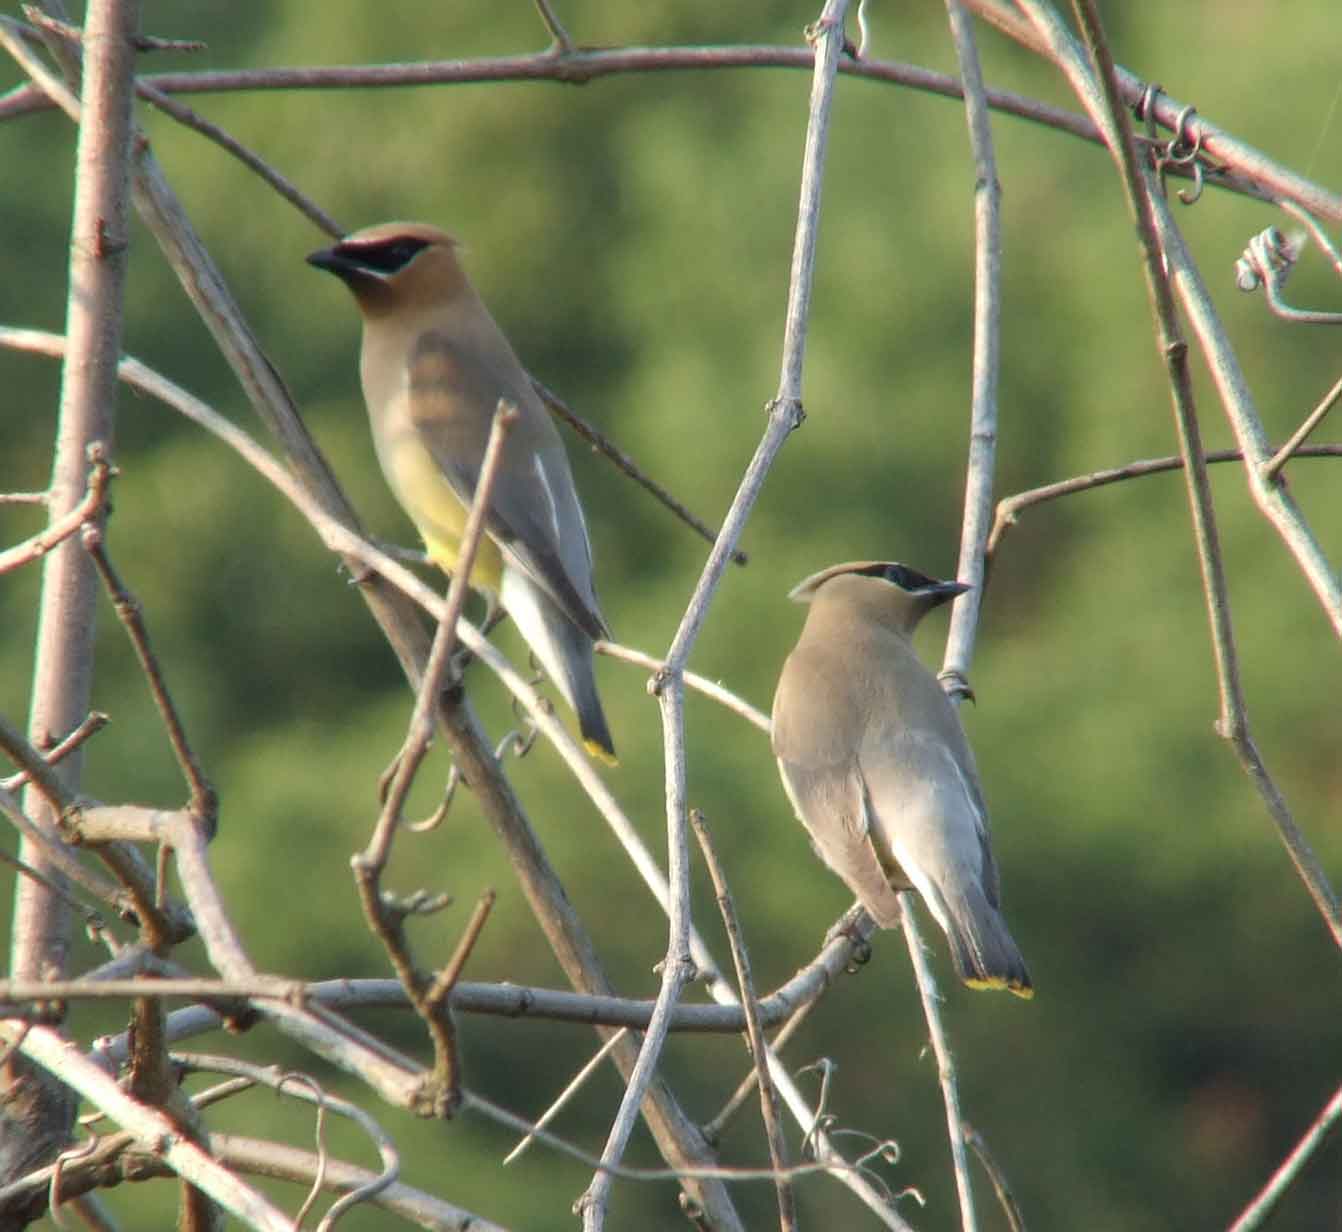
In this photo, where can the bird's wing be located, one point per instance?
(814, 742)
(927, 811)
(534, 514)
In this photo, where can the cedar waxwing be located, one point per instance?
(878, 769)
(434, 365)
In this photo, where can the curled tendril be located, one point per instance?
(1268, 257)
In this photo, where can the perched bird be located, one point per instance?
(434, 365)
(878, 769)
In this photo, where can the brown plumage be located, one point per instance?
(877, 767)
(434, 365)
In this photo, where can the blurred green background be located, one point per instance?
(633, 237)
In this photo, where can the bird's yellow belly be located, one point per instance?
(436, 511)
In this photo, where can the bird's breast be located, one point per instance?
(434, 507)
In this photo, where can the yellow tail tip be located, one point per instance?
(1015, 987)
(602, 754)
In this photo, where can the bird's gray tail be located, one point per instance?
(565, 652)
(984, 952)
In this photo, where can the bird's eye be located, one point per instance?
(388, 257)
(403, 251)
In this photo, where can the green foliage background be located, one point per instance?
(634, 237)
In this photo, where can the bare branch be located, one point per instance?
(715, 1128)
(941, 1049)
(307, 1089)
(579, 1079)
(204, 799)
(56, 851)
(1010, 507)
(63, 671)
(561, 43)
(344, 540)
(787, 1206)
(385, 918)
(701, 684)
(1163, 251)
(1273, 466)
(1269, 178)
(95, 721)
(784, 415)
(249, 159)
(58, 531)
(1001, 1186)
(1256, 1214)
(603, 445)
(1254, 173)
(155, 1129)
(987, 348)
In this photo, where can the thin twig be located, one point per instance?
(307, 1089)
(1256, 1214)
(1272, 499)
(183, 114)
(90, 508)
(225, 997)
(92, 920)
(941, 1049)
(138, 895)
(1329, 249)
(759, 1049)
(1163, 251)
(1282, 511)
(982, 455)
(57, 853)
(676, 1135)
(446, 980)
(537, 880)
(386, 919)
(91, 988)
(151, 1125)
(1264, 175)
(510, 1120)
(204, 799)
(561, 43)
(416, 744)
(715, 1128)
(997, 1178)
(701, 684)
(1255, 174)
(557, 1105)
(1279, 459)
(1009, 508)
(93, 723)
(785, 414)
(603, 445)
(282, 1162)
(212, 132)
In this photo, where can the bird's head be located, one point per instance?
(394, 265)
(889, 590)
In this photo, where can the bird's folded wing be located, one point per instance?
(525, 516)
(931, 809)
(831, 804)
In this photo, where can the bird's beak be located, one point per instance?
(332, 260)
(948, 590)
